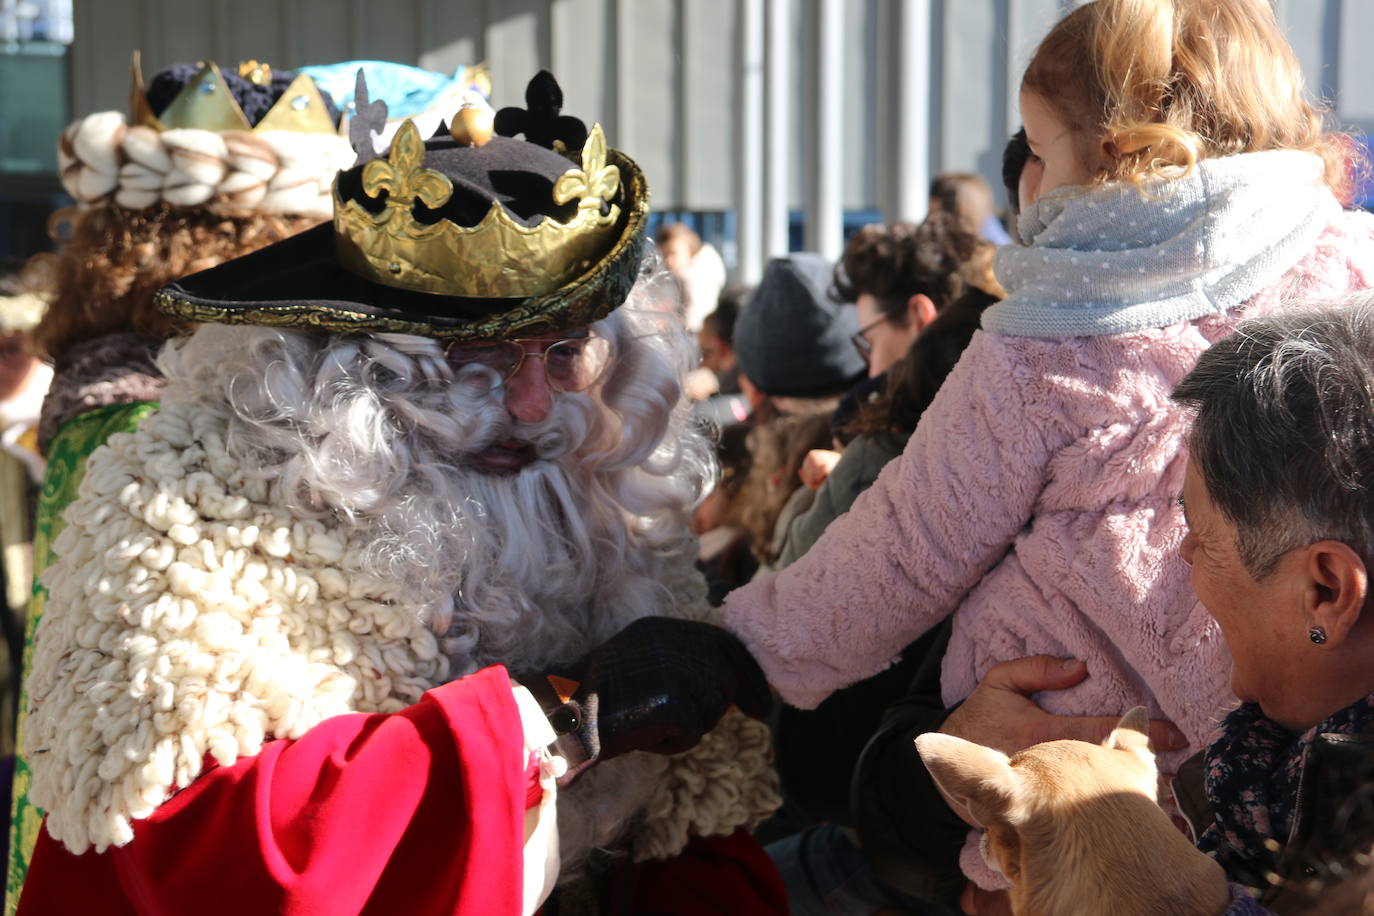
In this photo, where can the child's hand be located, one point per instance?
(816, 467)
(700, 384)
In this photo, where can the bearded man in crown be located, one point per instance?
(390, 606)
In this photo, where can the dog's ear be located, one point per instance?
(1132, 733)
(977, 779)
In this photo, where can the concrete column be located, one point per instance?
(777, 107)
(910, 169)
(750, 168)
(824, 116)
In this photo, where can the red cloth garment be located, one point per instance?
(417, 812)
(719, 876)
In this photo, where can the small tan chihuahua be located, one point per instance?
(1076, 827)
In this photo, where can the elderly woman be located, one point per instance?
(1279, 499)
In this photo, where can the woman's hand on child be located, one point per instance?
(1001, 714)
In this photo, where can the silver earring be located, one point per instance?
(1316, 634)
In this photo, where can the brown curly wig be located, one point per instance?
(103, 279)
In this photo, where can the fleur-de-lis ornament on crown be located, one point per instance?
(595, 182)
(405, 179)
(542, 120)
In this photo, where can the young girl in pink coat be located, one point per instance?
(1180, 181)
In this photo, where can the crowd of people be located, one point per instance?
(414, 533)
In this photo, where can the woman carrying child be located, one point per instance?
(1180, 182)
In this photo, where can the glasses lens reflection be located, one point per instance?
(574, 364)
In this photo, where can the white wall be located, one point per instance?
(661, 74)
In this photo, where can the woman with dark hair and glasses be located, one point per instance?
(901, 276)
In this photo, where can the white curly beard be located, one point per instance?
(532, 568)
(547, 568)
(522, 569)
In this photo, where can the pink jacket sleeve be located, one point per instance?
(938, 518)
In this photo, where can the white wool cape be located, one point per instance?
(189, 613)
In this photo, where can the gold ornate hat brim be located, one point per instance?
(588, 297)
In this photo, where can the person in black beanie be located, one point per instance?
(796, 357)
(793, 338)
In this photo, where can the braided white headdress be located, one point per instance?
(103, 159)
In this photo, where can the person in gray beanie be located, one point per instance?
(794, 339)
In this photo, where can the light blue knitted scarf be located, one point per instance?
(1121, 257)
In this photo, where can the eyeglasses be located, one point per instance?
(572, 364)
(860, 340)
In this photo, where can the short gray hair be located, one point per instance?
(1284, 429)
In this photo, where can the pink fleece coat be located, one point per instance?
(1038, 498)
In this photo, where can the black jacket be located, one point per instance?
(907, 831)
(818, 749)
(1333, 821)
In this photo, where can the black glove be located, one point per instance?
(658, 685)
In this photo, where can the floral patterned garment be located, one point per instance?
(67, 454)
(1242, 904)
(1252, 782)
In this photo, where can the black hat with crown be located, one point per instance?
(473, 234)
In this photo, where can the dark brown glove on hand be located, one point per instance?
(658, 685)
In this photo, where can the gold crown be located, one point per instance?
(497, 258)
(207, 104)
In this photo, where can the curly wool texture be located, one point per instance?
(196, 618)
(727, 781)
(101, 157)
(190, 613)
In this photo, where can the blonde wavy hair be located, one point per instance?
(1165, 84)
